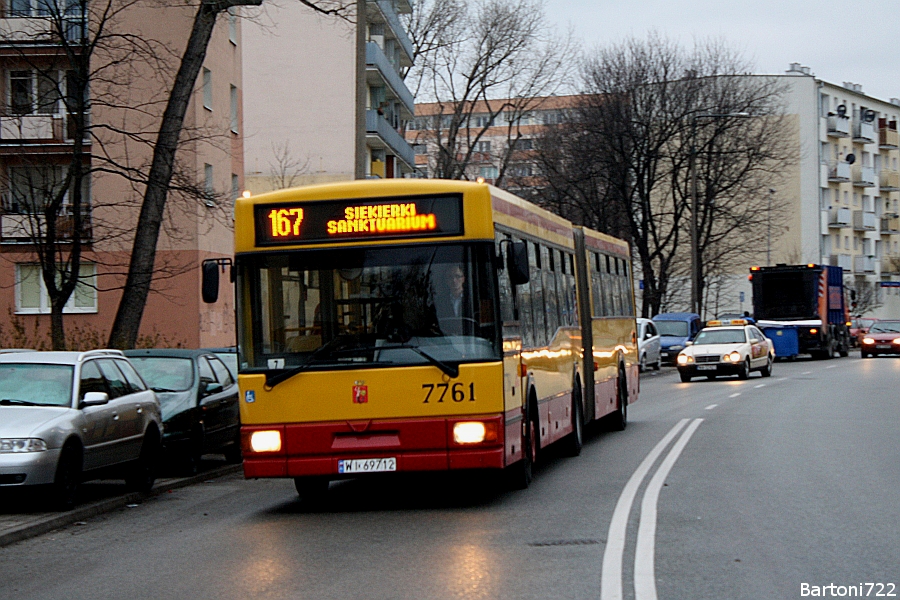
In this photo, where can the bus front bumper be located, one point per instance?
(415, 444)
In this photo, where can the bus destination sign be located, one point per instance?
(354, 220)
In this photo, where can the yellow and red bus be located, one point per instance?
(422, 325)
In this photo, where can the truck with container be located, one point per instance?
(802, 309)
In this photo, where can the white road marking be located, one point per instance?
(759, 386)
(735, 395)
(711, 406)
(781, 379)
(806, 373)
(611, 574)
(644, 554)
(831, 367)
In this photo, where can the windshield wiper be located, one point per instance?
(13, 401)
(450, 370)
(273, 380)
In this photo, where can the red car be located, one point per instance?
(859, 326)
(883, 338)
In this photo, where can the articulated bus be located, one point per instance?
(422, 325)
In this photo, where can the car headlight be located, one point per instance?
(684, 359)
(676, 347)
(897, 340)
(735, 356)
(868, 340)
(16, 445)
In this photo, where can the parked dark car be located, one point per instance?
(198, 396)
(229, 356)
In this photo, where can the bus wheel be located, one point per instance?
(575, 440)
(522, 473)
(312, 489)
(619, 419)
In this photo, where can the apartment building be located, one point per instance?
(126, 103)
(496, 136)
(325, 98)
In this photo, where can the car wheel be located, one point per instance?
(193, 458)
(744, 373)
(642, 366)
(657, 365)
(767, 370)
(67, 478)
(232, 452)
(143, 473)
(619, 419)
(685, 377)
(864, 354)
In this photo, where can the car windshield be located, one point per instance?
(885, 327)
(720, 336)
(863, 323)
(165, 373)
(672, 328)
(342, 307)
(35, 384)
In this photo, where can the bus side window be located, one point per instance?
(537, 296)
(507, 292)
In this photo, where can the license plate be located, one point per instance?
(367, 465)
(883, 346)
(706, 367)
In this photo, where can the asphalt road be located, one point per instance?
(757, 487)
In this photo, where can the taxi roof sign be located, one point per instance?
(727, 322)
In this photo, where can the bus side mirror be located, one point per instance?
(210, 284)
(517, 263)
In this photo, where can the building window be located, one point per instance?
(488, 172)
(33, 92)
(30, 188)
(232, 25)
(523, 144)
(420, 148)
(208, 186)
(32, 297)
(207, 89)
(234, 109)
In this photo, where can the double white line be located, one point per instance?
(644, 569)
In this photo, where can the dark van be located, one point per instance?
(675, 329)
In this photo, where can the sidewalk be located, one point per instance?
(99, 497)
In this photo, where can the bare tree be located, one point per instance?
(127, 322)
(485, 70)
(864, 296)
(651, 109)
(287, 169)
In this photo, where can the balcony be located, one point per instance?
(380, 71)
(889, 180)
(382, 11)
(840, 217)
(888, 138)
(889, 225)
(838, 126)
(864, 220)
(863, 264)
(32, 128)
(845, 261)
(890, 265)
(380, 134)
(24, 228)
(838, 172)
(864, 132)
(863, 176)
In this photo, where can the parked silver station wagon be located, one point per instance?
(70, 416)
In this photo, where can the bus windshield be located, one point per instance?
(385, 306)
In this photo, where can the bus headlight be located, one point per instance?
(265, 441)
(469, 432)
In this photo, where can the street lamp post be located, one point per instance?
(769, 229)
(695, 234)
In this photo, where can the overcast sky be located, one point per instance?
(839, 41)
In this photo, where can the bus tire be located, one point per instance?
(522, 472)
(575, 440)
(619, 419)
(312, 489)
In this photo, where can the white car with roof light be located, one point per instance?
(70, 416)
(729, 347)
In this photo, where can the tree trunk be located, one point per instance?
(143, 255)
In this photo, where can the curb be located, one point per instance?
(29, 530)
